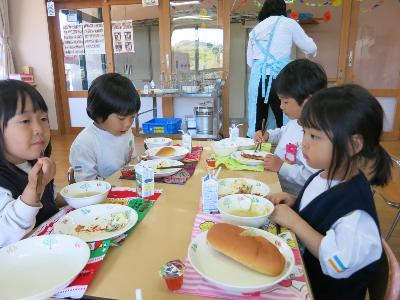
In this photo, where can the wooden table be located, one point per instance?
(163, 235)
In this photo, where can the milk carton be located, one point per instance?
(209, 190)
(234, 131)
(144, 180)
(186, 140)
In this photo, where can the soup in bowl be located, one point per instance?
(245, 209)
(85, 193)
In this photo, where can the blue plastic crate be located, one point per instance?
(162, 125)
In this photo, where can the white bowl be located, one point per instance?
(244, 143)
(157, 142)
(38, 267)
(254, 209)
(85, 193)
(224, 147)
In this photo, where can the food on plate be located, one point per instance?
(252, 156)
(166, 151)
(116, 222)
(242, 245)
(241, 187)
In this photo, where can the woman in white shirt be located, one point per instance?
(268, 51)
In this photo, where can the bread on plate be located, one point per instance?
(253, 251)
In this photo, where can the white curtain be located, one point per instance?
(6, 61)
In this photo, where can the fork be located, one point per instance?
(263, 128)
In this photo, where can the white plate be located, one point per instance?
(38, 267)
(90, 216)
(180, 152)
(229, 186)
(230, 275)
(237, 155)
(244, 143)
(162, 162)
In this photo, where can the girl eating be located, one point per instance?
(334, 216)
(27, 196)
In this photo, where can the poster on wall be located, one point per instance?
(149, 3)
(73, 39)
(122, 34)
(93, 35)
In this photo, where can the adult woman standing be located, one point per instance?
(268, 51)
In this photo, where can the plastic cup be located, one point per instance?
(172, 272)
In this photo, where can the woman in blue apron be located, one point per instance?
(268, 51)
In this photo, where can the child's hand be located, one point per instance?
(272, 163)
(29, 195)
(259, 138)
(284, 216)
(49, 169)
(282, 198)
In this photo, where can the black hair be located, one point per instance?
(272, 8)
(12, 91)
(342, 112)
(112, 93)
(300, 79)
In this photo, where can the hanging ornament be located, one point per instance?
(294, 15)
(203, 12)
(327, 16)
(322, 3)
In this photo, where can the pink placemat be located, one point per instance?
(293, 287)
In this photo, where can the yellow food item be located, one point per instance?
(86, 194)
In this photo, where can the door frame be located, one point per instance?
(57, 53)
(350, 77)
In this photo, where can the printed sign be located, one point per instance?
(149, 2)
(51, 12)
(93, 35)
(73, 39)
(122, 34)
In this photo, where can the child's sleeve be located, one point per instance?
(82, 158)
(16, 218)
(341, 256)
(297, 173)
(275, 134)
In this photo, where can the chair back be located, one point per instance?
(386, 286)
(70, 175)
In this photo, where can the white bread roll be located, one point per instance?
(166, 151)
(255, 252)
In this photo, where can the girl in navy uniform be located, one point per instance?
(334, 216)
(24, 153)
